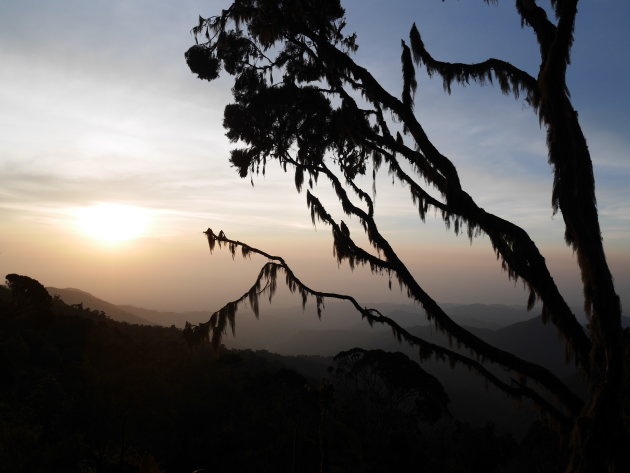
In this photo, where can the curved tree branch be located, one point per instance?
(511, 79)
(268, 275)
(345, 248)
(520, 255)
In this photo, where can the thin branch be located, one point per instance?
(511, 79)
(434, 311)
(508, 239)
(536, 18)
(516, 390)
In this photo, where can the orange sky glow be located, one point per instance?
(114, 160)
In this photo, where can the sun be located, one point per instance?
(113, 223)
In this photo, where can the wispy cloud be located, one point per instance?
(97, 105)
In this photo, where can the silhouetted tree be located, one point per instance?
(28, 294)
(300, 99)
(390, 383)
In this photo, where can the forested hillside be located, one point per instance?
(83, 393)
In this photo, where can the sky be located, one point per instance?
(99, 113)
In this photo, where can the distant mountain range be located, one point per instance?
(293, 331)
(129, 313)
(490, 316)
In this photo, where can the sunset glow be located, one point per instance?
(113, 222)
(107, 138)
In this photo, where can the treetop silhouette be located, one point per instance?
(302, 100)
(28, 294)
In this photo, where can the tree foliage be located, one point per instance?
(301, 99)
(391, 383)
(28, 294)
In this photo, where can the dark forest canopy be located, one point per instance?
(83, 393)
(302, 100)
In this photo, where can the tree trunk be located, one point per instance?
(599, 439)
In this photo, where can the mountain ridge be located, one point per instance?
(293, 331)
(73, 296)
(492, 316)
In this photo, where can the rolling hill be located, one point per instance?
(73, 296)
(128, 313)
(290, 331)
